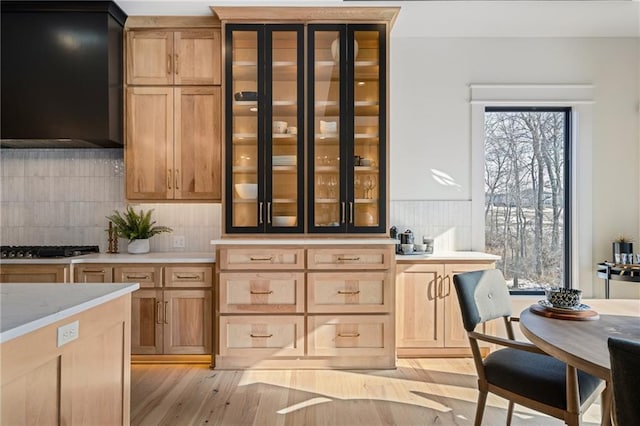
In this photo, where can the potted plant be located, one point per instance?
(137, 228)
(621, 245)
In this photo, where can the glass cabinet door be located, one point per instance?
(347, 119)
(264, 128)
(367, 99)
(243, 133)
(284, 128)
(327, 135)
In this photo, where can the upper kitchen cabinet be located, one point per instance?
(164, 57)
(306, 144)
(173, 148)
(264, 128)
(173, 119)
(347, 113)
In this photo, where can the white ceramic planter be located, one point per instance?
(138, 246)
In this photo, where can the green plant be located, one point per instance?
(135, 226)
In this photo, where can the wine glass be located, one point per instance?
(356, 185)
(320, 185)
(332, 185)
(368, 185)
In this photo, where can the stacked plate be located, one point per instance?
(284, 160)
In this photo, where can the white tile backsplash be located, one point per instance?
(62, 197)
(447, 222)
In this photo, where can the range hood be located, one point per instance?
(61, 74)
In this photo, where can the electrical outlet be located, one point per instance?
(68, 333)
(178, 241)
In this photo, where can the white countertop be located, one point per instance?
(27, 307)
(447, 255)
(154, 257)
(303, 241)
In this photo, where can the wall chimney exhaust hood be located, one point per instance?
(61, 74)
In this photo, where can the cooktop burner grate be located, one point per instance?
(27, 252)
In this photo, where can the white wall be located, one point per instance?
(430, 120)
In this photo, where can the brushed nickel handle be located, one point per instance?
(165, 312)
(177, 175)
(187, 277)
(349, 258)
(137, 277)
(348, 334)
(344, 214)
(158, 321)
(177, 64)
(168, 64)
(260, 213)
(94, 271)
(348, 292)
(260, 292)
(255, 259)
(350, 211)
(255, 336)
(268, 211)
(169, 179)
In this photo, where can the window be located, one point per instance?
(527, 195)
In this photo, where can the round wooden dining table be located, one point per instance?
(581, 344)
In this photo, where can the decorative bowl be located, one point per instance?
(247, 191)
(284, 221)
(564, 297)
(420, 247)
(406, 248)
(279, 127)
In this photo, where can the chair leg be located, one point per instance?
(510, 413)
(482, 400)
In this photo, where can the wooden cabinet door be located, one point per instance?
(454, 334)
(149, 145)
(150, 57)
(197, 57)
(146, 322)
(187, 317)
(34, 273)
(93, 274)
(198, 167)
(420, 319)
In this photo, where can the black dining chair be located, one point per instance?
(520, 372)
(625, 371)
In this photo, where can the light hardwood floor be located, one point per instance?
(419, 392)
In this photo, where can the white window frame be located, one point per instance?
(579, 97)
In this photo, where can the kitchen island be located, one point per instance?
(65, 353)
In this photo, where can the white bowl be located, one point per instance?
(247, 191)
(284, 221)
(279, 127)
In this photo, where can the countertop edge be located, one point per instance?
(303, 241)
(47, 320)
(154, 257)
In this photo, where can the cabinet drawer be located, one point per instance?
(147, 276)
(348, 292)
(357, 335)
(261, 258)
(349, 258)
(261, 292)
(188, 276)
(262, 335)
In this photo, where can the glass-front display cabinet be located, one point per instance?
(264, 128)
(346, 128)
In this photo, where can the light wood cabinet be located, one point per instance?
(334, 311)
(165, 57)
(34, 273)
(429, 321)
(173, 148)
(172, 313)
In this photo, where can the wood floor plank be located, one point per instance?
(428, 391)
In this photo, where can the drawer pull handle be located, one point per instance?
(137, 277)
(94, 271)
(165, 312)
(257, 259)
(158, 320)
(187, 277)
(260, 292)
(349, 258)
(348, 292)
(348, 334)
(257, 336)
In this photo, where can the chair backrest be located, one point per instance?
(483, 296)
(625, 370)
